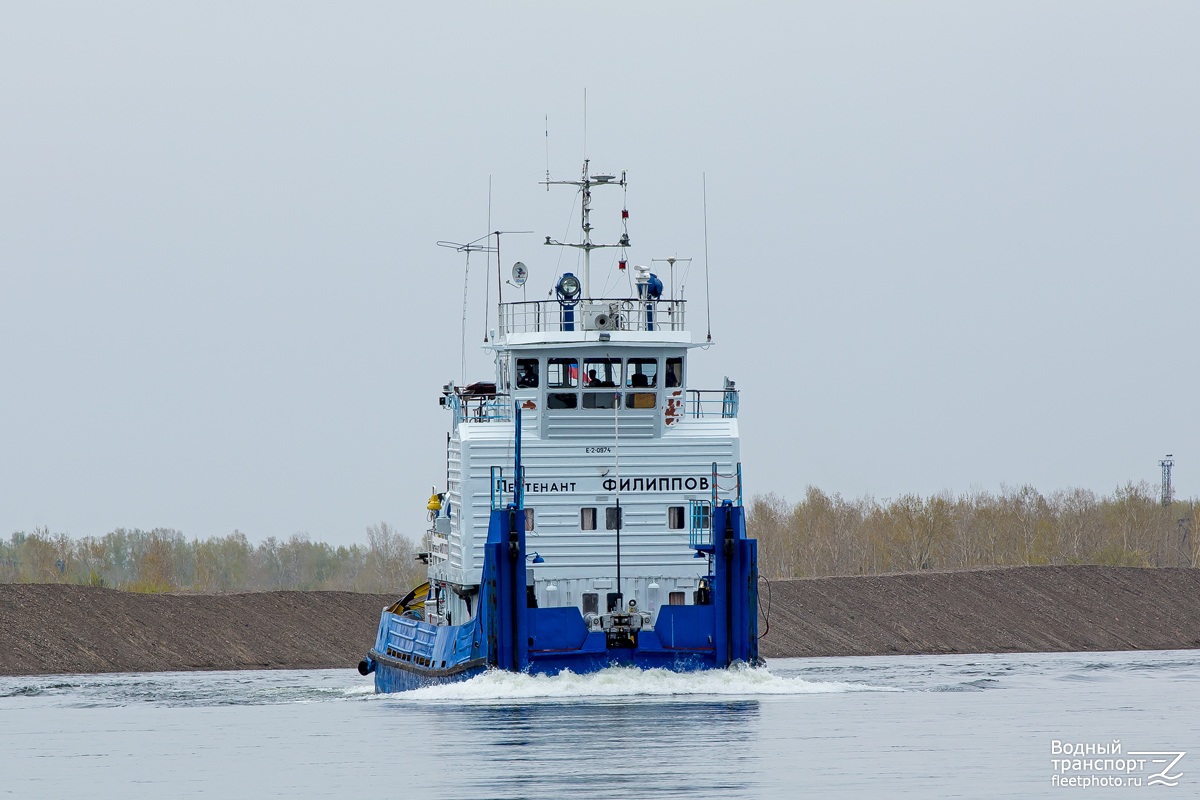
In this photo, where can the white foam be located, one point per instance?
(627, 682)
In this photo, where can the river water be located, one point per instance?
(910, 726)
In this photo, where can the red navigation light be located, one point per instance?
(621, 264)
(624, 213)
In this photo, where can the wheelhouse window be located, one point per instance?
(601, 399)
(677, 599)
(674, 373)
(587, 519)
(602, 373)
(562, 373)
(600, 376)
(642, 373)
(640, 400)
(527, 373)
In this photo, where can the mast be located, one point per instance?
(585, 183)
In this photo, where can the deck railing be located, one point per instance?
(712, 403)
(699, 404)
(623, 314)
(479, 407)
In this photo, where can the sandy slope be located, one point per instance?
(53, 629)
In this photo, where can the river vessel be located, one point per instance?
(592, 509)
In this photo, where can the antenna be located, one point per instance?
(520, 274)
(499, 299)
(585, 184)
(468, 248)
(671, 263)
(547, 152)
(1168, 493)
(485, 286)
(707, 300)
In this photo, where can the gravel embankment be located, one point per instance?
(48, 628)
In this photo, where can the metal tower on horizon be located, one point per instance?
(1167, 492)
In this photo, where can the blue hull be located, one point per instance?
(392, 675)
(511, 634)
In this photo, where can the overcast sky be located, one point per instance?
(952, 246)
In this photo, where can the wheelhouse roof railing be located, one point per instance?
(621, 314)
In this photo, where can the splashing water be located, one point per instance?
(616, 682)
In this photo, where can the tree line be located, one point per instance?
(820, 535)
(829, 535)
(164, 560)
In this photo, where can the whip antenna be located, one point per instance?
(707, 301)
(485, 283)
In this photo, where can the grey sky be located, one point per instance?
(952, 245)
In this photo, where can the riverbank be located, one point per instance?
(51, 628)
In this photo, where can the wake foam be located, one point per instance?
(616, 682)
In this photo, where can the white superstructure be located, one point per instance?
(609, 421)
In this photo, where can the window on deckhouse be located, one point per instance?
(562, 373)
(612, 518)
(642, 373)
(675, 517)
(674, 373)
(527, 373)
(601, 378)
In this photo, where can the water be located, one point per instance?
(912, 726)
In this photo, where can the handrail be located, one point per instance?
(479, 408)
(700, 403)
(591, 314)
(712, 403)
